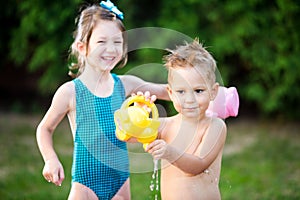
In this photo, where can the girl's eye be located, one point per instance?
(118, 42)
(180, 91)
(101, 41)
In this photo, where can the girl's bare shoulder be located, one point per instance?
(64, 95)
(129, 79)
(128, 83)
(131, 83)
(67, 89)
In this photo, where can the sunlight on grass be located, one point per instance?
(261, 161)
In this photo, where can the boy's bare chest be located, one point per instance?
(185, 137)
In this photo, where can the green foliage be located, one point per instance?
(256, 43)
(42, 39)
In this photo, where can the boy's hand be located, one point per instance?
(158, 149)
(53, 171)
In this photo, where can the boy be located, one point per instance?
(190, 143)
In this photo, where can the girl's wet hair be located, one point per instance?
(86, 22)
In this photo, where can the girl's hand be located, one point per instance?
(159, 149)
(148, 97)
(53, 171)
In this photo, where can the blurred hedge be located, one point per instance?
(256, 43)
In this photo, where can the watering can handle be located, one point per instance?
(141, 99)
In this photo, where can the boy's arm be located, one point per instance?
(211, 146)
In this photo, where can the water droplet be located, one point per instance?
(151, 186)
(156, 178)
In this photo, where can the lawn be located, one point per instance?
(261, 161)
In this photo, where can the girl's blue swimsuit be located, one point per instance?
(100, 160)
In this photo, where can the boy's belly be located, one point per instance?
(177, 185)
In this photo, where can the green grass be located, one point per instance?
(269, 168)
(261, 161)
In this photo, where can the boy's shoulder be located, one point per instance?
(168, 120)
(166, 124)
(218, 124)
(218, 121)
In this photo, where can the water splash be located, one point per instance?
(155, 181)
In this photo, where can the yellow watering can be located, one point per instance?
(134, 121)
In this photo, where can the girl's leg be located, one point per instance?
(81, 192)
(124, 192)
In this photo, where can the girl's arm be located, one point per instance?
(60, 106)
(211, 146)
(134, 84)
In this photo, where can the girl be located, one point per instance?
(100, 161)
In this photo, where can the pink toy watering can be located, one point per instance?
(134, 121)
(226, 103)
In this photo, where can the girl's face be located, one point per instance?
(105, 46)
(190, 91)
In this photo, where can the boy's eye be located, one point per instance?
(198, 91)
(180, 91)
(118, 42)
(101, 41)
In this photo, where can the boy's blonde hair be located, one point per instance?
(192, 55)
(86, 22)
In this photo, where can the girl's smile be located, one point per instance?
(105, 46)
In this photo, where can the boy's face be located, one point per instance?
(105, 46)
(190, 91)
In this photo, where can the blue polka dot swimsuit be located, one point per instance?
(100, 160)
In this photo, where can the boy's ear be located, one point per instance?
(214, 91)
(81, 47)
(169, 91)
